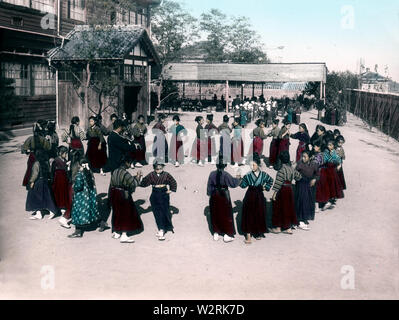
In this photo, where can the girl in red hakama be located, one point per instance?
(60, 182)
(253, 222)
(200, 144)
(258, 136)
(284, 213)
(340, 140)
(274, 145)
(304, 139)
(284, 137)
(221, 209)
(96, 147)
(74, 136)
(125, 217)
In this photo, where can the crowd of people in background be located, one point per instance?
(60, 179)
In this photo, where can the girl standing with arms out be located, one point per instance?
(340, 141)
(254, 205)
(237, 145)
(96, 147)
(274, 145)
(211, 130)
(125, 217)
(305, 191)
(304, 139)
(39, 196)
(258, 136)
(139, 132)
(199, 146)
(84, 205)
(221, 209)
(60, 183)
(284, 214)
(160, 149)
(31, 146)
(74, 136)
(176, 144)
(163, 184)
(284, 138)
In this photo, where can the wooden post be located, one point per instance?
(253, 89)
(262, 89)
(200, 91)
(184, 89)
(324, 90)
(321, 90)
(242, 92)
(227, 96)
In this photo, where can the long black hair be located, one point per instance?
(220, 168)
(87, 173)
(42, 158)
(75, 120)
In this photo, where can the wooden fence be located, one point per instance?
(378, 110)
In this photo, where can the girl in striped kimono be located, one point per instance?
(221, 209)
(304, 139)
(74, 136)
(96, 147)
(163, 184)
(176, 144)
(284, 138)
(274, 145)
(284, 213)
(258, 136)
(125, 217)
(253, 221)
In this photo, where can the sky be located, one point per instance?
(337, 32)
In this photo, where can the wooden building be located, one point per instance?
(119, 60)
(248, 79)
(29, 29)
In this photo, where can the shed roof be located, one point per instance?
(272, 72)
(103, 43)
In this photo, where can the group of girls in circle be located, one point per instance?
(317, 173)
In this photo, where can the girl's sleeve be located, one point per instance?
(35, 172)
(82, 135)
(280, 178)
(244, 183)
(267, 182)
(146, 181)
(172, 183)
(297, 175)
(232, 182)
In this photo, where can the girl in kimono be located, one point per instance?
(199, 147)
(305, 191)
(33, 144)
(211, 130)
(60, 182)
(225, 140)
(176, 144)
(274, 145)
(237, 145)
(284, 214)
(330, 187)
(304, 139)
(340, 141)
(163, 184)
(284, 138)
(258, 136)
(54, 139)
(139, 132)
(160, 141)
(319, 137)
(221, 209)
(125, 217)
(96, 147)
(39, 196)
(317, 159)
(84, 205)
(253, 221)
(74, 136)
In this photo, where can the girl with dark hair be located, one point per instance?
(237, 145)
(74, 136)
(274, 145)
(139, 132)
(337, 133)
(54, 140)
(284, 214)
(176, 144)
(304, 139)
(160, 145)
(284, 138)
(225, 140)
(221, 209)
(199, 147)
(305, 191)
(163, 184)
(39, 194)
(319, 137)
(125, 217)
(340, 141)
(317, 159)
(258, 135)
(96, 147)
(31, 146)
(84, 204)
(60, 184)
(253, 221)
(211, 131)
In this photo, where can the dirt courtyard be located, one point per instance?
(359, 235)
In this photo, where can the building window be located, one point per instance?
(122, 17)
(132, 17)
(134, 74)
(34, 79)
(76, 10)
(17, 21)
(41, 5)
